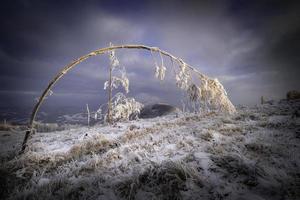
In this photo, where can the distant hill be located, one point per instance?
(156, 110)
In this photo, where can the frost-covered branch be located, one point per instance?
(88, 114)
(207, 93)
(214, 85)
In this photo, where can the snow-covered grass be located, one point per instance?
(253, 154)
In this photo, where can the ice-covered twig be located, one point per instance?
(88, 114)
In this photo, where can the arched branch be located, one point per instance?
(71, 65)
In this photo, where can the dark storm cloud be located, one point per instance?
(277, 23)
(251, 46)
(39, 38)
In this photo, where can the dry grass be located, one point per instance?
(135, 134)
(231, 130)
(165, 181)
(9, 126)
(263, 150)
(5, 127)
(235, 167)
(98, 144)
(207, 135)
(132, 170)
(32, 161)
(51, 127)
(217, 149)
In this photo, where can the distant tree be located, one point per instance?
(113, 106)
(114, 81)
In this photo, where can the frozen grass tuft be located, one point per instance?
(207, 135)
(165, 181)
(98, 144)
(236, 167)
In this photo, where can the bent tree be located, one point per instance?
(205, 92)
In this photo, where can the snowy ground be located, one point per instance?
(254, 154)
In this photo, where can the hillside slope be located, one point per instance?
(253, 154)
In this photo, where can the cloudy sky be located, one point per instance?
(252, 47)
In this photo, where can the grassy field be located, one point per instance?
(253, 154)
